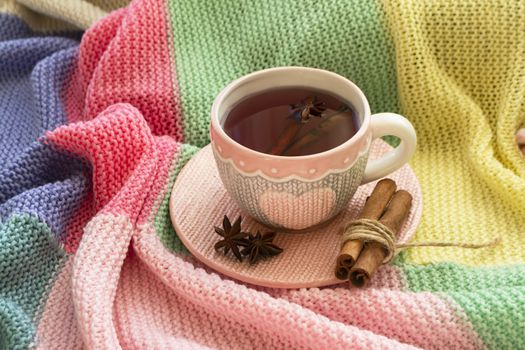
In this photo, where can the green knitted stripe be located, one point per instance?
(162, 221)
(29, 252)
(218, 41)
(492, 297)
(497, 315)
(450, 277)
(17, 330)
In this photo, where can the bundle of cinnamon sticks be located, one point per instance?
(358, 260)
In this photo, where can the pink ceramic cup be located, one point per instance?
(299, 192)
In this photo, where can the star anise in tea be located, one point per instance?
(232, 237)
(261, 246)
(309, 107)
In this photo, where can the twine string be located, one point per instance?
(369, 231)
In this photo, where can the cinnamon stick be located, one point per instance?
(324, 128)
(373, 209)
(342, 272)
(286, 137)
(374, 253)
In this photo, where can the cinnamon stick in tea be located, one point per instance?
(323, 129)
(374, 253)
(374, 207)
(286, 137)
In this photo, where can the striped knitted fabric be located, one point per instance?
(95, 132)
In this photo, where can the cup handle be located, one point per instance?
(390, 124)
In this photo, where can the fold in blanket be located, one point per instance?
(94, 133)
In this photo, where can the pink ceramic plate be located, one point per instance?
(199, 202)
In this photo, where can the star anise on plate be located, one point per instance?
(308, 107)
(232, 237)
(261, 246)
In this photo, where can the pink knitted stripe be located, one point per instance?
(290, 324)
(131, 63)
(58, 327)
(168, 152)
(95, 42)
(123, 171)
(96, 273)
(119, 146)
(77, 222)
(388, 276)
(150, 315)
(123, 175)
(421, 319)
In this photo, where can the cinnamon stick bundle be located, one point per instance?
(374, 253)
(374, 207)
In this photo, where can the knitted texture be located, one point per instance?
(94, 134)
(56, 15)
(462, 87)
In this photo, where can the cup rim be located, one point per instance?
(363, 129)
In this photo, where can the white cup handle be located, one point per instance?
(390, 124)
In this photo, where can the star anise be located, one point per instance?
(232, 237)
(308, 107)
(260, 246)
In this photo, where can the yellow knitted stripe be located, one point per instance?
(59, 15)
(461, 80)
(33, 19)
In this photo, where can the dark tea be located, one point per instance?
(292, 121)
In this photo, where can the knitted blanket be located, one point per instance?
(95, 131)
